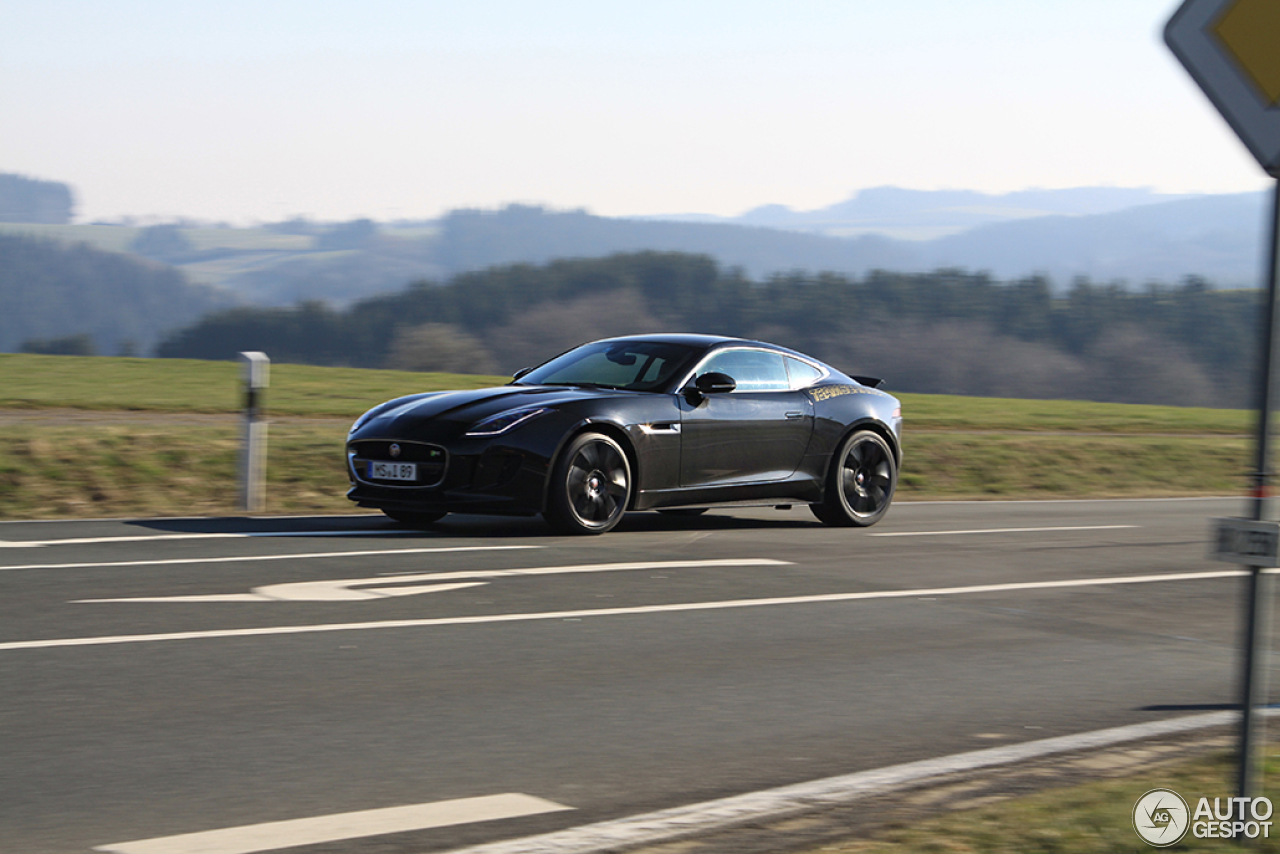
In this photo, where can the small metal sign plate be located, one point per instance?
(1247, 542)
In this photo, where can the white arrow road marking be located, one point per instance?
(183, 561)
(145, 538)
(684, 607)
(305, 591)
(342, 826)
(341, 590)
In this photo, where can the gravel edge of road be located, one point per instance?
(810, 814)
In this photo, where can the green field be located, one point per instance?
(181, 385)
(112, 436)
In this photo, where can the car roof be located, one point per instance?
(694, 339)
(690, 338)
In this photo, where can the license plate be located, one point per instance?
(393, 471)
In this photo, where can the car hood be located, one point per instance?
(468, 407)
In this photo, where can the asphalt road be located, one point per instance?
(169, 677)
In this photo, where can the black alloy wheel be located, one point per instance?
(861, 482)
(590, 486)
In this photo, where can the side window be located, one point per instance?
(752, 370)
(802, 374)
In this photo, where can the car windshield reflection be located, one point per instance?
(629, 365)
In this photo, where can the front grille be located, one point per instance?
(431, 461)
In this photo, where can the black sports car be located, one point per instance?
(673, 423)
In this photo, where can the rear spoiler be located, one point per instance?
(870, 382)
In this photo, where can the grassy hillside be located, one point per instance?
(117, 437)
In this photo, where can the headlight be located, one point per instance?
(361, 421)
(498, 424)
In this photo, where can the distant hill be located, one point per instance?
(50, 291)
(1133, 236)
(1216, 237)
(474, 240)
(926, 214)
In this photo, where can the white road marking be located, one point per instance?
(614, 612)
(1000, 531)
(250, 558)
(146, 538)
(342, 826)
(771, 804)
(339, 590)
(988, 502)
(305, 591)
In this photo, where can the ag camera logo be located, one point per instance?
(1161, 818)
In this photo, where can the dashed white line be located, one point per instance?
(251, 558)
(147, 538)
(614, 612)
(1000, 531)
(270, 836)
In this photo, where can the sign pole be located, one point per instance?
(1229, 48)
(1258, 601)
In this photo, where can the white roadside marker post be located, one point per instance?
(253, 450)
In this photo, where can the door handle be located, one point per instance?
(794, 415)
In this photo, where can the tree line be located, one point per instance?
(30, 200)
(72, 299)
(949, 331)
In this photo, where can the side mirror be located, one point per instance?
(518, 374)
(715, 382)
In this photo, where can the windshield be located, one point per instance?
(634, 365)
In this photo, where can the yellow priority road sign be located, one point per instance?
(1232, 50)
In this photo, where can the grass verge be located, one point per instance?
(1092, 817)
(1029, 465)
(186, 465)
(50, 471)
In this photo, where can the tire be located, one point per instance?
(413, 520)
(683, 511)
(590, 486)
(860, 483)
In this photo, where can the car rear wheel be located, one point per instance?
(590, 486)
(861, 482)
(413, 520)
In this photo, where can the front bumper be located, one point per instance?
(458, 477)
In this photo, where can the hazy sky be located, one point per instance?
(335, 109)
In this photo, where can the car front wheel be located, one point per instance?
(860, 483)
(590, 486)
